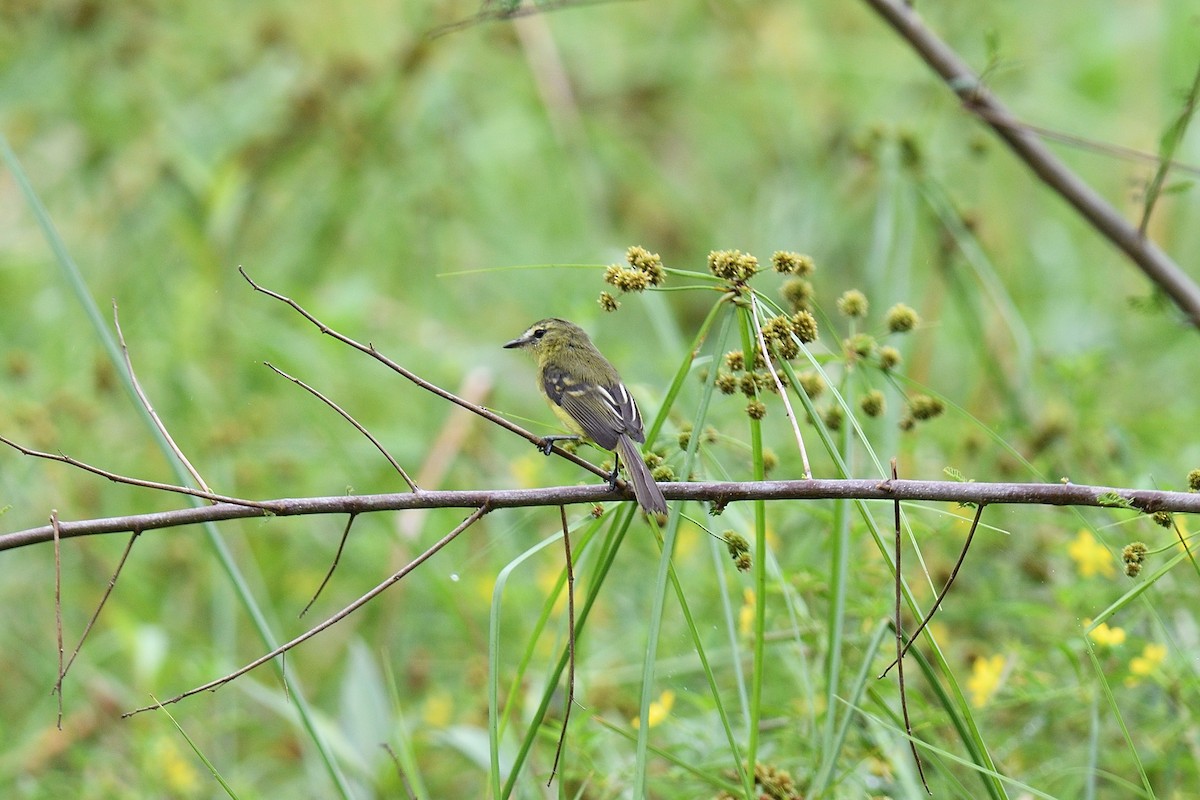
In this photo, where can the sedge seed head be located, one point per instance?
(791, 263)
(647, 263)
(853, 304)
(812, 383)
(726, 382)
(732, 265)
(901, 319)
(1193, 480)
(804, 325)
(889, 358)
(872, 403)
(924, 407)
(797, 292)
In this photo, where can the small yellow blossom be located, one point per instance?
(177, 770)
(985, 679)
(1091, 557)
(438, 710)
(659, 710)
(1103, 635)
(1145, 664)
(746, 614)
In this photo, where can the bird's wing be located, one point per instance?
(602, 412)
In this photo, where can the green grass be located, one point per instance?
(433, 198)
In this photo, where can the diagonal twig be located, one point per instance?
(346, 416)
(112, 584)
(337, 557)
(369, 349)
(963, 81)
(945, 589)
(145, 401)
(116, 478)
(336, 618)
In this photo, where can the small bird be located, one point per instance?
(586, 393)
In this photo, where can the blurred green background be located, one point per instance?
(385, 180)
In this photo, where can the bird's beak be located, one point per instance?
(520, 341)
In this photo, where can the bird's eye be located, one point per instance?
(539, 333)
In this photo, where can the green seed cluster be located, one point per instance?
(853, 304)
(792, 263)
(732, 265)
(1134, 554)
(645, 269)
(739, 550)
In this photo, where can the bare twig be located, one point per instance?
(115, 478)
(336, 618)
(370, 350)
(497, 12)
(337, 557)
(346, 416)
(399, 771)
(899, 625)
(959, 77)
(112, 584)
(721, 493)
(145, 401)
(945, 589)
(787, 404)
(562, 736)
(58, 610)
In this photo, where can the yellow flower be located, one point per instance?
(746, 614)
(659, 709)
(177, 771)
(1091, 557)
(438, 710)
(1102, 634)
(985, 679)
(1143, 665)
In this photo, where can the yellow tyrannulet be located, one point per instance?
(586, 393)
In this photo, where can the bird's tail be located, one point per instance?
(649, 496)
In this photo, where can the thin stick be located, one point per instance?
(336, 558)
(145, 401)
(112, 584)
(336, 618)
(787, 404)
(912, 743)
(370, 350)
(346, 416)
(945, 589)
(504, 12)
(58, 609)
(399, 771)
(115, 478)
(562, 736)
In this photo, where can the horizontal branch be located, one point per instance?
(1052, 494)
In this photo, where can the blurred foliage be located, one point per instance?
(347, 160)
